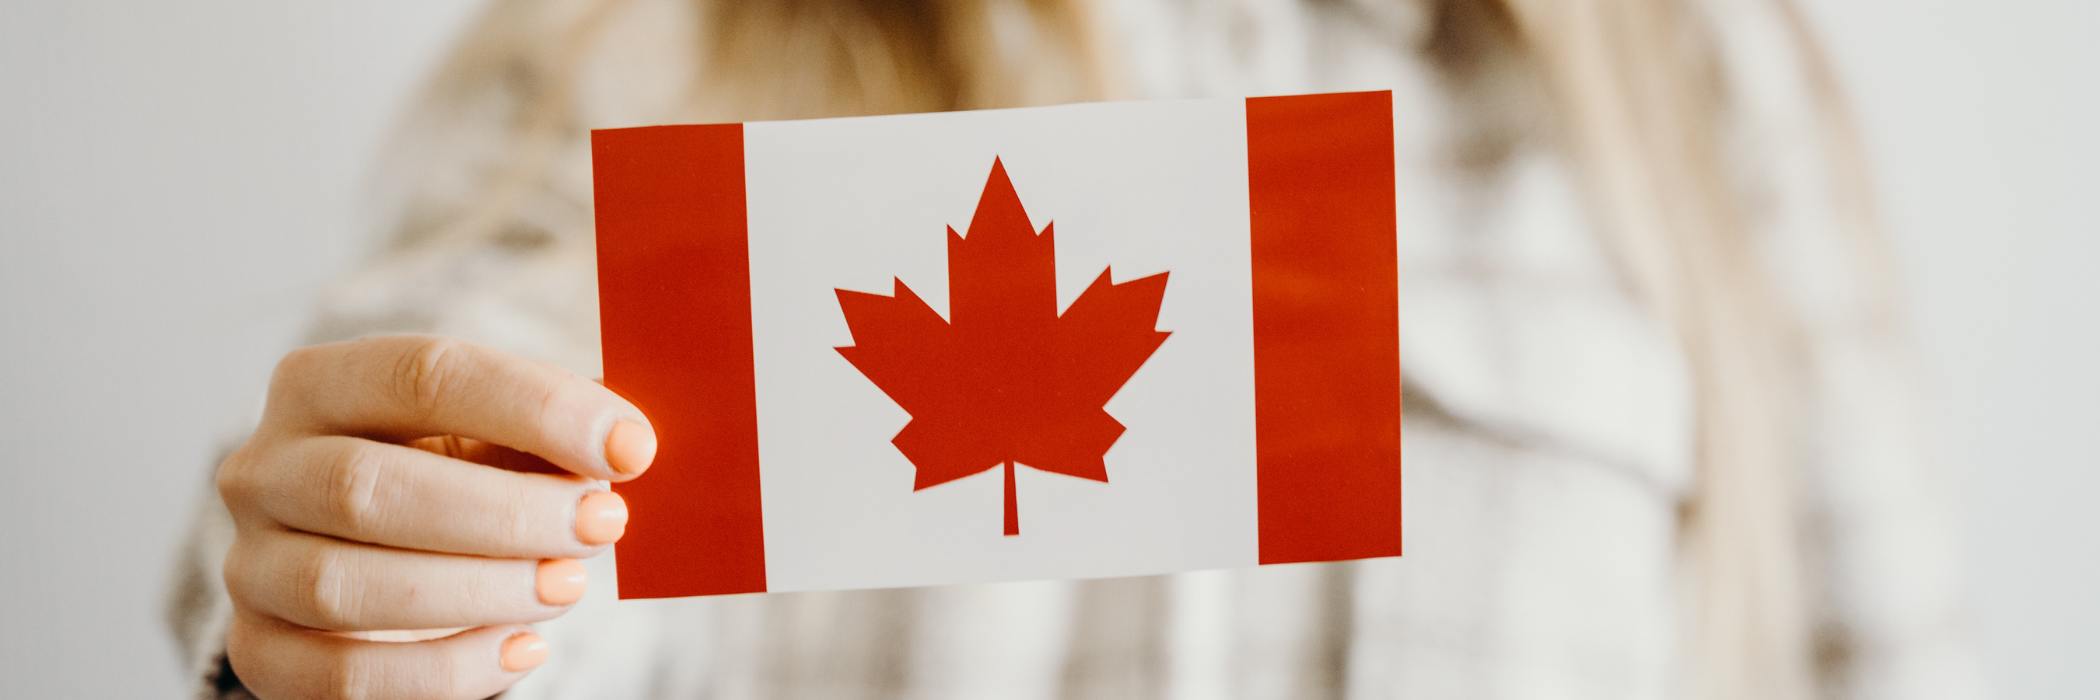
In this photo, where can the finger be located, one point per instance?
(275, 660)
(409, 498)
(330, 584)
(406, 387)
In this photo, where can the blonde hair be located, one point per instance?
(1639, 108)
(1642, 114)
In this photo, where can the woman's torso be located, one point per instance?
(1545, 426)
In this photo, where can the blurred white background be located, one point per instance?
(178, 179)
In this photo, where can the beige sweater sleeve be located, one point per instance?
(197, 609)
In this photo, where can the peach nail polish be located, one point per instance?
(523, 651)
(561, 581)
(601, 517)
(630, 447)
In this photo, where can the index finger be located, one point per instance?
(406, 387)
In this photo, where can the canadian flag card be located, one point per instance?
(1078, 341)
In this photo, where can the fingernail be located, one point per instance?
(561, 581)
(523, 651)
(601, 518)
(630, 447)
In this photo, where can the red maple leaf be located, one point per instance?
(1005, 379)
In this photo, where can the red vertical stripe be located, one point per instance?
(674, 300)
(1326, 326)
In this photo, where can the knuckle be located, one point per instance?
(235, 479)
(242, 648)
(233, 572)
(426, 372)
(552, 400)
(325, 591)
(291, 382)
(555, 398)
(289, 400)
(237, 641)
(350, 488)
(298, 363)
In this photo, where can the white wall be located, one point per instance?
(1984, 123)
(176, 181)
(178, 178)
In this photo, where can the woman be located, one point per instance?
(1653, 438)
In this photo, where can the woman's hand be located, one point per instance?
(417, 483)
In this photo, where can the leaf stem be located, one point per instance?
(1013, 511)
